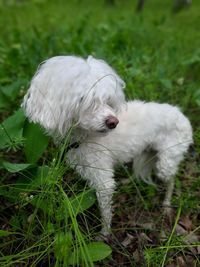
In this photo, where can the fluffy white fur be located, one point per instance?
(87, 94)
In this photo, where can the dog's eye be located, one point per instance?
(81, 100)
(111, 105)
(28, 95)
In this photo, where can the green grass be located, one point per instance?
(49, 216)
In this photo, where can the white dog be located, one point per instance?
(68, 91)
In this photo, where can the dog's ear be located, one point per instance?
(50, 100)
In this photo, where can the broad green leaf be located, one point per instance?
(14, 167)
(94, 251)
(83, 201)
(11, 91)
(78, 204)
(3, 101)
(98, 251)
(11, 128)
(35, 141)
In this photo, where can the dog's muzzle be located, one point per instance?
(111, 122)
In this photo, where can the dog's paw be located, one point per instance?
(104, 235)
(168, 214)
(167, 210)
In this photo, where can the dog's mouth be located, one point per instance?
(103, 131)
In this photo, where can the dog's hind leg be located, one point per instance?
(168, 196)
(166, 168)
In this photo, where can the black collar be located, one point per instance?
(69, 147)
(72, 146)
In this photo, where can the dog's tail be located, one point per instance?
(143, 166)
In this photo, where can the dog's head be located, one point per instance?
(69, 91)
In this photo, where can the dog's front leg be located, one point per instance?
(104, 190)
(97, 169)
(104, 184)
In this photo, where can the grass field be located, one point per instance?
(48, 216)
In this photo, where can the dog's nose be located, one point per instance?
(111, 122)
